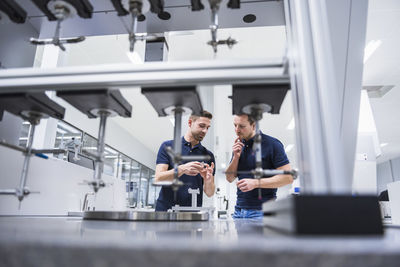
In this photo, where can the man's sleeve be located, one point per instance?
(162, 156)
(279, 157)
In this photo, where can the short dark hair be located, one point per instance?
(249, 118)
(204, 113)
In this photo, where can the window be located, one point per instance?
(110, 161)
(23, 139)
(89, 145)
(67, 136)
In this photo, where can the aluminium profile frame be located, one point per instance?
(149, 74)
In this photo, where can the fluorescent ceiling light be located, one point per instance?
(134, 57)
(384, 144)
(61, 131)
(291, 125)
(89, 148)
(111, 157)
(370, 48)
(288, 148)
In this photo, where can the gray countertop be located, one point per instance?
(68, 241)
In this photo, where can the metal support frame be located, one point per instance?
(62, 11)
(214, 6)
(149, 74)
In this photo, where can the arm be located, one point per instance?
(209, 185)
(272, 182)
(230, 172)
(163, 174)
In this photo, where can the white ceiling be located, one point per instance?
(383, 68)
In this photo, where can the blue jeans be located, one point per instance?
(247, 213)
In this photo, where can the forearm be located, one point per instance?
(275, 181)
(231, 170)
(209, 187)
(166, 175)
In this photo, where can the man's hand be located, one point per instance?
(237, 148)
(191, 168)
(246, 185)
(207, 172)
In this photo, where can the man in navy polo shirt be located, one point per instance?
(248, 204)
(193, 174)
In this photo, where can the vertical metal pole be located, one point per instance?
(132, 35)
(257, 141)
(177, 131)
(25, 167)
(100, 150)
(177, 145)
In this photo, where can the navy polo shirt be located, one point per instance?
(273, 156)
(166, 198)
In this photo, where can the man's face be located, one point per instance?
(199, 127)
(243, 128)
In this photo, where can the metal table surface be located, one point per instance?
(66, 241)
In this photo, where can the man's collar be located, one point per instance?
(251, 140)
(187, 143)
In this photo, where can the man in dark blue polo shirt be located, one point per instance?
(248, 204)
(194, 174)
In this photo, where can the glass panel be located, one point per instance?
(144, 185)
(67, 137)
(23, 139)
(133, 185)
(110, 161)
(153, 191)
(89, 145)
(125, 164)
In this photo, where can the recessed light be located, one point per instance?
(164, 15)
(249, 18)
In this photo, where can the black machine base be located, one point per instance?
(325, 215)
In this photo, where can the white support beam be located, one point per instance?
(326, 102)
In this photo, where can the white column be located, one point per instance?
(45, 132)
(326, 40)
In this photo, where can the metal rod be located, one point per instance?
(198, 158)
(21, 190)
(132, 34)
(177, 131)
(177, 147)
(47, 151)
(18, 148)
(8, 192)
(100, 150)
(214, 26)
(258, 157)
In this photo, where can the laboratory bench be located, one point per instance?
(71, 241)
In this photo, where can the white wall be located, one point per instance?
(60, 185)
